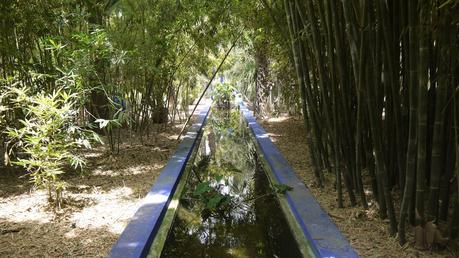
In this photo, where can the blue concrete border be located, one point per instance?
(325, 238)
(138, 235)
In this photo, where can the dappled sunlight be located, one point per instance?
(262, 136)
(156, 198)
(26, 207)
(172, 137)
(160, 149)
(135, 170)
(190, 135)
(93, 154)
(274, 136)
(111, 210)
(279, 119)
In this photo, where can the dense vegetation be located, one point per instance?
(380, 78)
(375, 81)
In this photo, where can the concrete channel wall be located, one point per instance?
(323, 237)
(138, 235)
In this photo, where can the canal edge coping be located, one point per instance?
(318, 228)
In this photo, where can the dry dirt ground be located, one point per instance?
(365, 231)
(99, 202)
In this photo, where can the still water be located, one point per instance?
(228, 208)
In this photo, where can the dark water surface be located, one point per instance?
(228, 208)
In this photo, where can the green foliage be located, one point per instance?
(111, 127)
(226, 122)
(63, 60)
(215, 203)
(222, 95)
(282, 188)
(48, 137)
(213, 200)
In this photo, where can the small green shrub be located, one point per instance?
(47, 137)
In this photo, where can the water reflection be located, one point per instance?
(228, 208)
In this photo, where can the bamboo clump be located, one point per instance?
(378, 83)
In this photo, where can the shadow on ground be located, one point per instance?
(13, 182)
(52, 239)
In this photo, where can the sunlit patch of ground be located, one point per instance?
(26, 207)
(279, 119)
(108, 207)
(98, 211)
(365, 231)
(173, 137)
(99, 201)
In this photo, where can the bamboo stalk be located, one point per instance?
(303, 81)
(412, 140)
(423, 32)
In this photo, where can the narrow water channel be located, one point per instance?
(228, 208)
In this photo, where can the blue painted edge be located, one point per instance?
(136, 239)
(325, 238)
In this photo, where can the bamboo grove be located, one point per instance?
(149, 53)
(72, 70)
(75, 72)
(378, 84)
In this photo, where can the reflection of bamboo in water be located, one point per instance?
(212, 145)
(260, 185)
(248, 222)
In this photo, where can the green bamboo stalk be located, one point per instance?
(334, 111)
(412, 140)
(437, 155)
(327, 99)
(295, 47)
(390, 56)
(423, 72)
